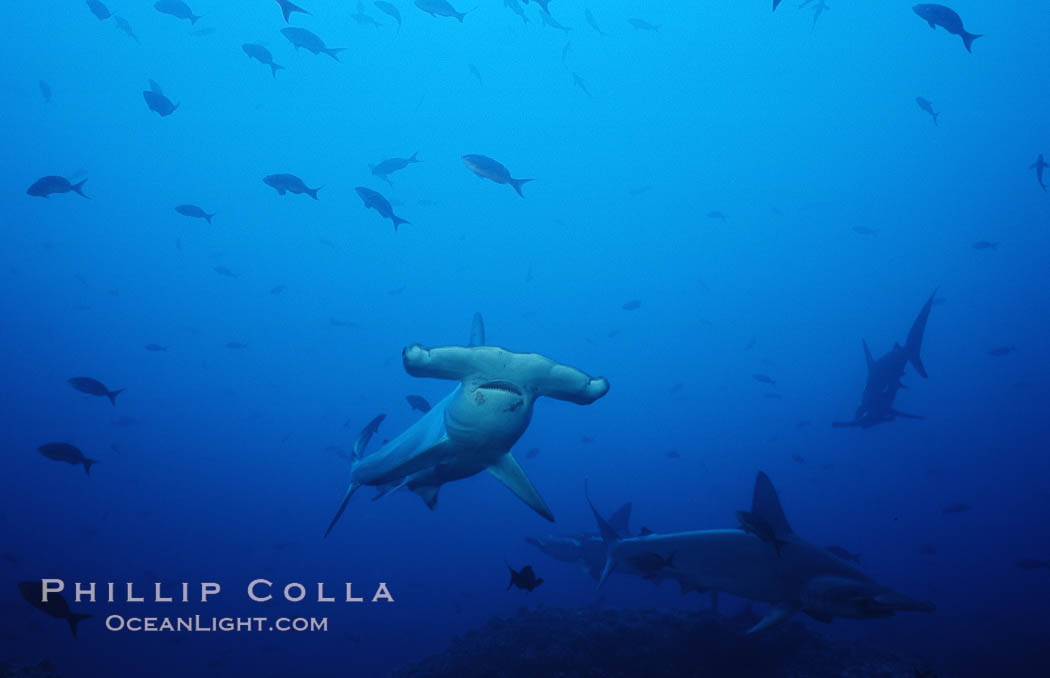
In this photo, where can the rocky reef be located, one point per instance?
(609, 643)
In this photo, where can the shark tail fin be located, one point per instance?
(312, 192)
(339, 514)
(398, 221)
(112, 395)
(620, 520)
(74, 619)
(88, 464)
(274, 68)
(914, 343)
(477, 331)
(766, 504)
(609, 537)
(867, 355)
(968, 39)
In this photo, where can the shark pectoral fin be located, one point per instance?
(388, 488)
(823, 617)
(507, 471)
(778, 614)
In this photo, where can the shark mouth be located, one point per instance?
(504, 386)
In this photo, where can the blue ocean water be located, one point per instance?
(764, 186)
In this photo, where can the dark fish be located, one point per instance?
(45, 91)
(928, 107)
(1000, 351)
(717, 215)
(676, 387)
(939, 15)
(223, 271)
(586, 440)
(99, 10)
(203, 32)
(157, 102)
(928, 550)
(123, 422)
(803, 423)
(277, 289)
(844, 554)
(177, 9)
(377, 202)
(9, 557)
(751, 343)
(336, 322)
(487, 168)
(650, 564)
(760, 527)
(672, 454)
(55, 606)
(235, 345)
(385, 168)
(156, 347)
(591, 21)
(389, 10)
(397, 291)
(94, 387)
(632, 305)
(515, 6)
(289, 183)
(1039, 165)
(476, 73)
(287, 8)
(300, 37)
(864, 230)
(526, 578)
(262, 55)
(67, 453)
(362, 18)
(123, 25)
(764, 378)
(578, 81)
(798, 458)
(643, 25)
(772, 396)
(1028, 564)
(50, 185)
(532, 453)
(194, 211)
(437, 8)
(985, 245)
(551, 22)
(418, 403)
(956, 508)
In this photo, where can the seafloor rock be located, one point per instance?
(596, 643)
(44, 669)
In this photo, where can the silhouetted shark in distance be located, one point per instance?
(884, 377)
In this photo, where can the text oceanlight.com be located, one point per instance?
(197, 623)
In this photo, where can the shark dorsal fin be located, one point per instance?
(619, 521)
(766, 504)
(867, 355)
(477, 331)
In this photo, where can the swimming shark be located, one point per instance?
(475, 426)
(803, 578)
(585, 549)
(884, 377)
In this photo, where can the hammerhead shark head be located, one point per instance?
(473, 428)
(884, 377)
(803, 578)
(585, 549)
